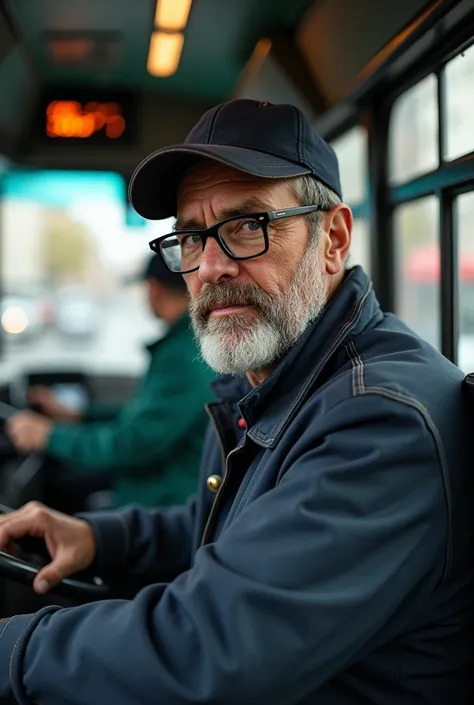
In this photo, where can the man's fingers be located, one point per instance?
(49, 576)
(13, 428)
(11, 530)
(17, 525)
(70, 542)
(12, 549)
(11, 424)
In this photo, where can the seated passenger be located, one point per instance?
(327, 557)
(149, 449)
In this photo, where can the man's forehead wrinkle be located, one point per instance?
(224, 191)
(206, 174)
(249, 204)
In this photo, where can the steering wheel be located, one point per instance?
(20, 571)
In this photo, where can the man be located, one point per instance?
(326, 557)
(149, 448)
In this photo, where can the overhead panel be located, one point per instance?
(264, 79)
(66, 38)
(340, 37)
(83, 50)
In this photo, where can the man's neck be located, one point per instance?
(174, 312)
(258, 376)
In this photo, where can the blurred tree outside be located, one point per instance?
(69, 251)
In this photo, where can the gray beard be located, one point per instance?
(237, 344)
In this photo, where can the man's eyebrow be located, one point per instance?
(250, 205)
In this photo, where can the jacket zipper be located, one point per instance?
(208, 411)
(216, 498)
(209, 518)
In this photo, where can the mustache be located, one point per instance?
(227, 295)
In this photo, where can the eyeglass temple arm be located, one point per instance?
(166, 244)
(298, 210)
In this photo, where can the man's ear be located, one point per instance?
(338, 226)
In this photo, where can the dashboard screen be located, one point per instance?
(73, 396)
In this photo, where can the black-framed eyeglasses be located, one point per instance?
(240, 237)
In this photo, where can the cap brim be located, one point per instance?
(155, 182)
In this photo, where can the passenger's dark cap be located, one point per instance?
(262, 139)
(156, 269)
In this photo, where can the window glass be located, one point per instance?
(459, 104)
(360, 245)
(417, 273)
(413, 138)
(66, 263)
(464, 214)
(351, 150)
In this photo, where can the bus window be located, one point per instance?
(459, 105)
(351, 150)
(417, 274)
(360, 245)
(67, 260)
(413, 138)
(464, 218)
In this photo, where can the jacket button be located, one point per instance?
(241, 423)
(213, 483)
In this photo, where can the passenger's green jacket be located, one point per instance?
(152, 445)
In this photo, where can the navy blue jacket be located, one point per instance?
(332, 567)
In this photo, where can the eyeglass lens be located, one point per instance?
(242, 237)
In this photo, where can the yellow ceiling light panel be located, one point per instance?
(165, 53)
(172, 15)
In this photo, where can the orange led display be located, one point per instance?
(68, 118)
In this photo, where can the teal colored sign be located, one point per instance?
(63, 188)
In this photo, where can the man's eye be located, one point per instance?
(250, 226)
(190, 240)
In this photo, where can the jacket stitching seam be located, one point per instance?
(17, 643)
(353, 372)
(360, 367)
(354, 365)
(309, 382)
(7, 622)
(402, 398)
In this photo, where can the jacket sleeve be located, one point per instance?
(149, 427)
(144, 543)
(309, 577)
(102, 412)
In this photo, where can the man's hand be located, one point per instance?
(71, 542)
(28, 432)
(44, 398)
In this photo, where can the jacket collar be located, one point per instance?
(268, 408)
(230, 388)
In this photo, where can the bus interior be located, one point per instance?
(88, 89)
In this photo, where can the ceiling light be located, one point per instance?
(165, 53)
(172, 15)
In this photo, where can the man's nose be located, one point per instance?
(215, 264)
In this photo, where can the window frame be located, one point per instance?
(448, 181)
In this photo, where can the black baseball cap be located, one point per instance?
(156, 269)
(262, 139)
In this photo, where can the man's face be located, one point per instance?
(154, 296)
(247, 314)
